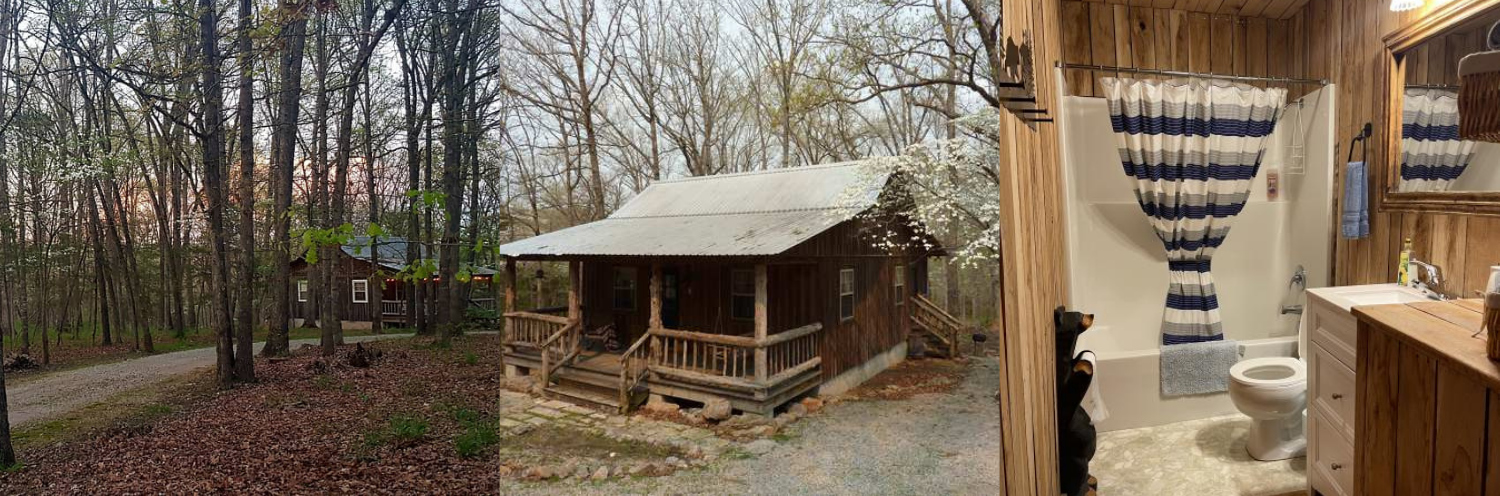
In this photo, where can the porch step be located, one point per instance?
(572, 393)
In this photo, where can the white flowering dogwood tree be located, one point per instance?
(941, 189)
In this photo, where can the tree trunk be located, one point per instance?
(283, 152)
(211, 137)
(244, 353)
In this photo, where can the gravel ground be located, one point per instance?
(56, 394)
(930, 444)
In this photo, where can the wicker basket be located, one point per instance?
(1479, 107)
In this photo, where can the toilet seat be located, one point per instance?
(1269, 372)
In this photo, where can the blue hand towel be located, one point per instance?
(1197, 368)
(1355, 221)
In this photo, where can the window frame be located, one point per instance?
(302, 290)
(733, 294)
(899, 284)
(615, 288)
(354, 291)
(850, 293)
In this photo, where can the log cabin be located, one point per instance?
(754, 288)
(355, 270)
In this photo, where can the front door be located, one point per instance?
(669, 302)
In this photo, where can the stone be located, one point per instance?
(759, 431)
(580, 472)
(577, 410)
(760, 447)
(619, 471)
(658, 404)
(540, 472)
(695, 452)
(812, 404)
(543, 411)
(676, 462)
(639, 469)
(536, 420)
(693, 418)
(506, 423)
(717, 409)
(600, 473)
(797, 409)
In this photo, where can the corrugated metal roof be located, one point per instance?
(392, 253)
(757, 213)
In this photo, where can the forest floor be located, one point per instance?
(431, 420)
(77, 351)
(420, 420)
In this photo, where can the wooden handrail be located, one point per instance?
(740, 341)
(631, 374)
(784, 336)
(539, 316)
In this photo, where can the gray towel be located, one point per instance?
(1197, 368)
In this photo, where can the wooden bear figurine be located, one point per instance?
(1075, 430)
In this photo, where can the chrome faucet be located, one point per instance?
(1299, 280)
(1434, 279)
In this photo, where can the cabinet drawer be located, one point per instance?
(1335, 330)
(1334, 391)
(1334, 462)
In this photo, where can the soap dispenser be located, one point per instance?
(1403, 264)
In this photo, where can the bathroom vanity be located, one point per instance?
(1426, 392)
(1331, 352)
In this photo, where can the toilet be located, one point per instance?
(1273, 392)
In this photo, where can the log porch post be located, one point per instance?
(655, 322)
(760, 321)
(510, 285)
(575, 272)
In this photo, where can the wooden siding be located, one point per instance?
(1274, 9)
(1463, 245)
(1178, 40)
(1032, 265)
(349, 268)
(803, 289)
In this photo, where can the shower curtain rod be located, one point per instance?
(1432, 86)
(1160, 72)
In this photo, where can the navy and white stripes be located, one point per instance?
(1432, 156)
(1192, 149)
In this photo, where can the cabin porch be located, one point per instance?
(574, 358)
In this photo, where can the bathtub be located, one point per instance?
(1129, 383)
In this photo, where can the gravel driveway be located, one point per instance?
(931, 444)
(56, 394)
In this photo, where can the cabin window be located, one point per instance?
(624, 288)
(846, 294)
(359, 290)
(900, 277)
(302, 290)
(742, 294)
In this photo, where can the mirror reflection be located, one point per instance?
(1433, 158)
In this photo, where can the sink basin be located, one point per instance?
(1383, 298)
(1347, 297)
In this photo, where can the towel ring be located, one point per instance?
(1363, 138)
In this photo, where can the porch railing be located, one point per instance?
(633, 367)
(558, 349)
(393, 307)
(735, 361)
(531, 329)
(937, 322)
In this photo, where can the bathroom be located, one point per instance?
(1351, 205)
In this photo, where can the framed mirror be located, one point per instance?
(1428, 167)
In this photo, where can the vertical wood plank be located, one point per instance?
(1076, 48)
(655, 317)
(575, 281)
(1200, 42)
(760, 321)
(1121, 19)
(1375, 413)
(1222, 37)
(1142, 49)
(1415, 412)
(1162, 38)
(1492, 448)
(1102, 41)
(1482, 238)
(1461, 412)
(1177, 27)
(1255, 45)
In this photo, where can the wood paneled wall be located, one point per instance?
(1167, 39)
(1274, 9)
(1033, 265)
(1463, 245)
(1435, 61)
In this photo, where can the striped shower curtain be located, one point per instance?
(1192, 148)
(1432, 156)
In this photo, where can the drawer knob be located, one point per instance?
(1338, 396)
(1336, 466)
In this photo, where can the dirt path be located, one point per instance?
(947, 443)
(55, 394)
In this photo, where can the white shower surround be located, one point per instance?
(1117, 267)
